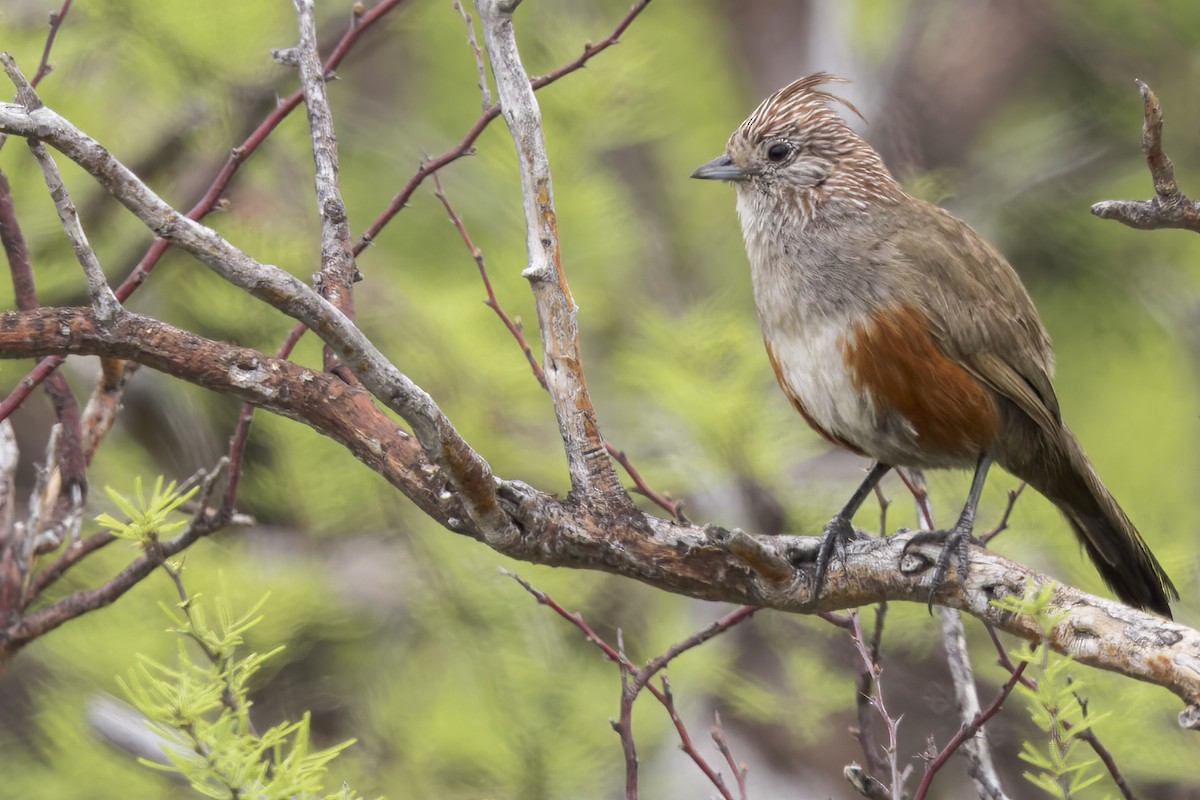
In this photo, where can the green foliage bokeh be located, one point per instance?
(408, 638)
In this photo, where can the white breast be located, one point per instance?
(812, 370)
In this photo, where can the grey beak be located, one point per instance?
(720, 168)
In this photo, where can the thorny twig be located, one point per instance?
(967, 731)
(866, 668)
(897, 776)
(212, 196)
(465, 145)
(44, 67)
(56, 20)
(635, 678)
(1002, 525)
(977, 751)
(717, 732)
(1088, 735)
(672, 507)
(485, 93)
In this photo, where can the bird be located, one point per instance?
(900, 334)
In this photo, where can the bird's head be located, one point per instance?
(796, 143)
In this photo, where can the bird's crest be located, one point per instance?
(797, 105)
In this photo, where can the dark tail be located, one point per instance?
(1067, 478)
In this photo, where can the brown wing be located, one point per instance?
(981, 315)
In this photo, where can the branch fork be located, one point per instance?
(1169, 208)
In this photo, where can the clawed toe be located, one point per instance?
(956, 544)
(837, 532)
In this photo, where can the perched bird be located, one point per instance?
(900, 334)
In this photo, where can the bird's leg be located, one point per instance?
(956, 542)
(839, 530)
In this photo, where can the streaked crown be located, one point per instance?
(796, 142)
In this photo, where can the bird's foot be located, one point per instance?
(837, 532)
(956, 544)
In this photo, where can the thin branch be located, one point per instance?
(655, 665)
(56, 20)
(717, 733)
(104, 302)
(485, 93)
(685, 743)
(640, 679)
(864, 690)
(1169, 208)
(624, 724)
(977, 750)
(980, 766)
(1089, 735)
(241, 432)
(44, 620)
(212, 197)
(469, 473)
(44, 68)
(491, 302)
(465, 145)
(896, 775)
(593, 478)
(66, 461)
(338, 272)
(968, 731)
(674, 508)
(590, 51)
(671, 556)
(68, 558)
(1002, 525)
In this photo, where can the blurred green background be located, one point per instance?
(1015, 115)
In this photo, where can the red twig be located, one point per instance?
(967, 731)
(1087, 735)
(1002, 525)
(915, 481)
(833, 618)
(1003, 658)
(674, 508)
(239, 154)
(667, 699)
(1110, 763)
(491, 301)
(866, 667)
(871, 695)
(56, 21)
(70, 457)
(624, 725)
(70, 556)
(479, 65)
(212, 196)
(718, 736)
(464, 146)
(633, 678)
(241, 434)
(591, 50)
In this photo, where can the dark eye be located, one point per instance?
(779, 151)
